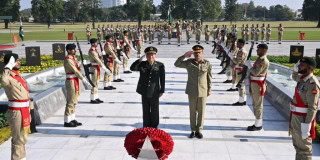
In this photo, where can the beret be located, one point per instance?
(93, 40)
(264, 46)
(8, 56)
(310, 61)
(70, 46)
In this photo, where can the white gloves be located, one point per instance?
(248, 64)
(133, 50)
(305, 130)
(295, 67)
(86, 82)
(103, 53)
(11, 63)
(124, 55)
(105, 69)
(117, 60)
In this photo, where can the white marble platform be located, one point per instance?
(105, 125)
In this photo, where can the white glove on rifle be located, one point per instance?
(103, 53)
(118, 61)
(295, 67)
(133, 50)
(248, 64)
(105, 69)
(86, 82)
(11, 63)
(305, 130)
(124, 55)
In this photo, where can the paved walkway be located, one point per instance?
(105, 125)
(274, 48)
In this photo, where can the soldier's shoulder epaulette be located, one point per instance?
(159, 63)
(314, 80)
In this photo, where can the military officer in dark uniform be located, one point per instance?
(151, 85)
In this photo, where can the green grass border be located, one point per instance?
(5, 134)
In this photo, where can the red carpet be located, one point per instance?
(6, 47)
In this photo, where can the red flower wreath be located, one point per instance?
(161, 141)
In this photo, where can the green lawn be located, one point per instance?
(34, 31)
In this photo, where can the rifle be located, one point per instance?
(243, 73)
(85, 66)
(215, 46)
(104, 56)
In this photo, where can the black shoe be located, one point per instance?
(268, 43)
(257, 43)
(76, 122)
(112, 87)
(221, 72)
(120, 80)
(94, 102)
(227, 81)
(127, 72)
(239, 104)
(70, 124)
(107, 88)
(192, 135)
(116, 80)
(238, 85)
(199, 135)
(254, 128)
(232, 89)
(178, 45)
(99, 100)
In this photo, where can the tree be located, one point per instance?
(140, 9)
(251, 10)
(73, 8)
(46, 10)
(260, 12)
(232, 11)
(311, 10)
(10, 8)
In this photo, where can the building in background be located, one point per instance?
(113, 3)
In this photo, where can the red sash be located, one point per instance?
(24, 110)
(302, 105)
(76, 79)
(260, 83)
(97, 66)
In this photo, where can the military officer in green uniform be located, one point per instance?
(198, 87)
(258, 75)
(304, 107)
(151, 85)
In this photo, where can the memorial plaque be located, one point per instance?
(33, 56)
(318, 57)
(2, 54)
(58, 51)
(296, 53)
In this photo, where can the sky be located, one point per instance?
(293, 4)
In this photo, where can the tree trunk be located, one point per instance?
(6, 24)
(139, 21)
(48, 22)
(319, 22)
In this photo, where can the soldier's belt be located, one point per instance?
(94, 64)
(19, 103)
(257, 78)
(71, 76)
(298, 109)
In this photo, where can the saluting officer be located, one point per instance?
(151, 85)
(73, 75)
(258, 75)
(198, 87)
(96, 66)
(304, 106)
(16, 89)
